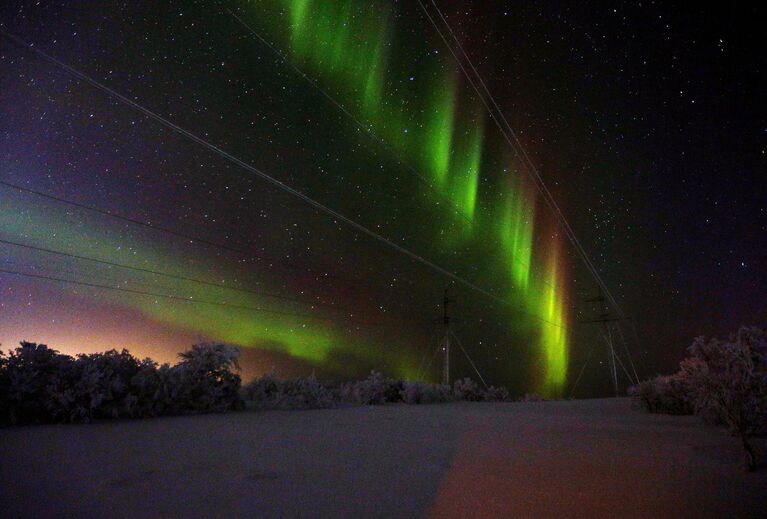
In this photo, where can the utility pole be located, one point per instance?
(446, 339)
(446, 336)
(605, 319)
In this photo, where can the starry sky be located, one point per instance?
(644, 120)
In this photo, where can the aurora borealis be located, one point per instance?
(361, 106)
(333, 40)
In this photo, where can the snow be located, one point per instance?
(593, 458)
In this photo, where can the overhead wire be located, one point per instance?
(472, 363)
(118, 216)
(583, 368)
(174, 276)
(628, 354)
(281, 263)
(181, 298)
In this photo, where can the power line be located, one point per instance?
(119, 217)
(172, 276)
(252, 169)
(93, 277)
(471, 362)
(580, 374)
(177, 297)
(628, 354)
(628, 375)
(281, 263)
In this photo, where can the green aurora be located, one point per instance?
(349, 47)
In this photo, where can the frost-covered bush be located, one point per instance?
(204, 379)
(371, 391)
(269, 392)
(663, 394)
(92, 386)
(495, 394)
(425, 393)
(393, 391)
(728, 381)
(467, 389)
(149, 387)
(723, 381)
(306, 393)
(38, 384)
(264, 392)
(4, 388)
(27, 372)
(43, 385)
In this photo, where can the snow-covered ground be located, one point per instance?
(594, 458)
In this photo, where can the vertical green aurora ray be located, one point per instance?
(461, 187)
(376, 70)
(344, 45)
(299, 10)
(516, 233)
(440, 119)
(347, 45)
(465, 175)
(342, 53)
(553, 338)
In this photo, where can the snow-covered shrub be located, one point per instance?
(644, 395)
(416, 392)
(4, 388)
(393, 391)
(264, 392)
(204, 380)
(65, 401)
(306, 393)
(38, 384)
(371, 391)
(467, 389)
(147, 387)
(98, 385)
(269, 392)
(663, 394)
(27, 373)
(495, 394)
(724, 381)
(424, 393)
(728, 381)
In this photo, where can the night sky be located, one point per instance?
(646, 122)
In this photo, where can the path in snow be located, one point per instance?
(594, 458)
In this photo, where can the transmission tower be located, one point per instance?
(446, 339)
(445, 342)
(605, 319)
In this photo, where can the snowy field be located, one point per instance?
(595, 458)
